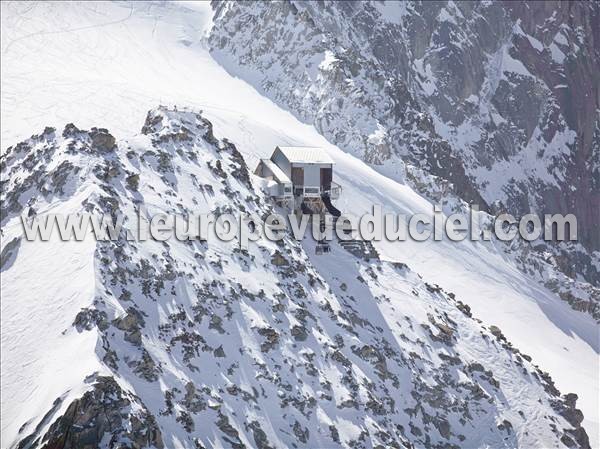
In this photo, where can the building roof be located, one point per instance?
(278, 173)
(306, 155)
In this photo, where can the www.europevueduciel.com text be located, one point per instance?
(374, 226)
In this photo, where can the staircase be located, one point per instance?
(322, 245)
(363, 249)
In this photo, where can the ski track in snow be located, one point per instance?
(106, 65)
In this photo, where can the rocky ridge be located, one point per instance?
(264, 347)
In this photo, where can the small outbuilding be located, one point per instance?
(299, 172)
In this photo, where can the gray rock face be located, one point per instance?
(9, 253)
(498, 98)
(103, 416)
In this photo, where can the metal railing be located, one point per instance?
(334, 191)
(316, 191)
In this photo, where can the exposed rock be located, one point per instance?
(131, 324)
(496, 332)
(102, 141)
(9, 253)
(133, 181)
(103, 414)
(87, 318)
(271, 339)
(279, 260)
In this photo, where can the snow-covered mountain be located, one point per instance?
(272, 346)
(190, 344)
(500, 99)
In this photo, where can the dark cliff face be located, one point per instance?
(578, 101)
(500, 99)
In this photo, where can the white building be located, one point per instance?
(298, 173)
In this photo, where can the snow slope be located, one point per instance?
(354, 352)
(107, 64)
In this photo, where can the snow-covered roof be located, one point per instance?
(314, 155)
(278, 173)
